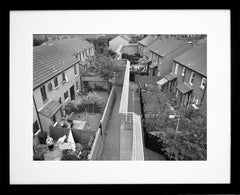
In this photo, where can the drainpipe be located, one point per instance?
(37, 113)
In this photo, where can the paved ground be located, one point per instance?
(150, 155)
(111, 146)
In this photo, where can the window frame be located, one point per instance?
(192, 77)
(201, 85)
(43, 87)
(64, 79)
(66, 99)
(176, 69)
(183, 71)
(77, 89)
(75, 70)
(54, 81)
(50, 86)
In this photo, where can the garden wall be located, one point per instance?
(57, 132)
(147, 79)
(96, 147)
(82, 136)
(108, 108)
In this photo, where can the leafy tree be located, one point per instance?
(104, 66)
(189, 140)
(91, 100)
(39, 39)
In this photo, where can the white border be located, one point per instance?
(214, 23)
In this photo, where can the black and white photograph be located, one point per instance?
(120, 97)
(114, 97)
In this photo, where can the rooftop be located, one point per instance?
(148, 40)
(167, 46)
(53, 57)
(195, 59)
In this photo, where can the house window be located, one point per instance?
(50, 88)
(75, 70)
(76, 86)
(35, 127)
(192, 77)
(43, 92)
(176, 69)
(203, 83)
(55, 82)
(63, 78)
(183, 71)
(60, 101)
(66, 95)
(54, 119)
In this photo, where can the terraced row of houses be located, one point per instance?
(56, 78)
(182, 65)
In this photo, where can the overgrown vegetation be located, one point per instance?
(183, 137)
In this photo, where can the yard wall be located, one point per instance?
(57, 132)
(147, 79)
(82, 136)
(93, 80)
(96, 147)
(108, 108)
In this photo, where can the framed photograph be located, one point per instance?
(121, 99)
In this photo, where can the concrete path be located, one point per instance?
(111, 145)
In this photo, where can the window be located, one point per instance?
(192, 78)
(43, 92)
(63, 78)
(55, 82)
(50, 87)
(66, 95)
(60, 101)
(183, 71)
(54, 119)
(203, 83)
(176, 69)
(76, 86)
(75, 70)
(35, 127)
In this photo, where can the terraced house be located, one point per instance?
(189, 76)
(143, 45)
(56, 78)
(162, 53)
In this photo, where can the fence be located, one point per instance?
(154, 143)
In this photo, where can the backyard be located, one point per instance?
(178, 134)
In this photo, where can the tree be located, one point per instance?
(189, 140)
(39, 39)
(91, 100)
(104, 66)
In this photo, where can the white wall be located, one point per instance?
(116, 42)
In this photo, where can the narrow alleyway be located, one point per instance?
(135, 106)
(111, 145)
